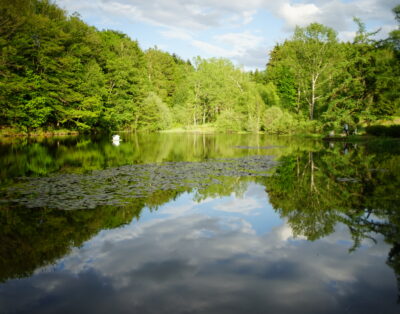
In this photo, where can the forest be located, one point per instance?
(58, 73)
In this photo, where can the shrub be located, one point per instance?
(154, 114)
(229, 121)
(278, 121)
(382, 130)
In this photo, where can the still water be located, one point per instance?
(192, 223)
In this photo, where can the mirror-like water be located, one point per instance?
(188, 223)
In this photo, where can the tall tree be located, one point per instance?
(313, 55)
(124, 68)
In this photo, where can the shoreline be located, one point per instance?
(14, 134)
(9, 133)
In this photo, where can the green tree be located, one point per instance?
(281, 74)
(314, 56)
(124, 69)
(153, 114)
(162, 72)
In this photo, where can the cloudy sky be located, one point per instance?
(241, 30)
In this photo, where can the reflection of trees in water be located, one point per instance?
(81, 154)
(36, 237)
(313, 188)
(348, 184)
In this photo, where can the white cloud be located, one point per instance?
(254, 58)
(245, 48)
(385, 29)
(299, 14)
(336, 14)
(197, 22)
(194, 15)
(240, 42)
(176, 34)
(248, 16)
(211, 49)
(347, 36)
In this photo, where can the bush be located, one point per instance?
(278, 121)
(229, 121)
(382, 130)
(155, 114)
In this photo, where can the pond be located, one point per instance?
(199, 223)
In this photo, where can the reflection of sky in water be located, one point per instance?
(253, 207)
(225, 255)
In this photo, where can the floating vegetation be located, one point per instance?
(115, 186)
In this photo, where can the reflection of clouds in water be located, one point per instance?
(283, 233)
(179, 209)
(248, 204)
(208, 264)
(193, 260)
(239, 205)
(183, 205)
(251, 204)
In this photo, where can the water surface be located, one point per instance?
(190, 223)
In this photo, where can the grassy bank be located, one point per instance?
(367, 133)
(14, 132)
(206, 128)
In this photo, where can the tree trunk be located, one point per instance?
(312, 183)
(298, 100)
(312, 102)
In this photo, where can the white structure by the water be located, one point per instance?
(115, 140)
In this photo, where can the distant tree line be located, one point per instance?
(57, 72)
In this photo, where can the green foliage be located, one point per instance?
(280, 121)
(270, 94)
(362, 36)
(154, 114)
(165, 72)
(229, 121)
(218, 92)
(35, 112)
(281, 75)
(336, 83)
(56, 72)
(382, 130)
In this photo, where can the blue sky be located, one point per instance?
(243, 31)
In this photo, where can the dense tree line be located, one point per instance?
(56, 72)
(332, 83)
